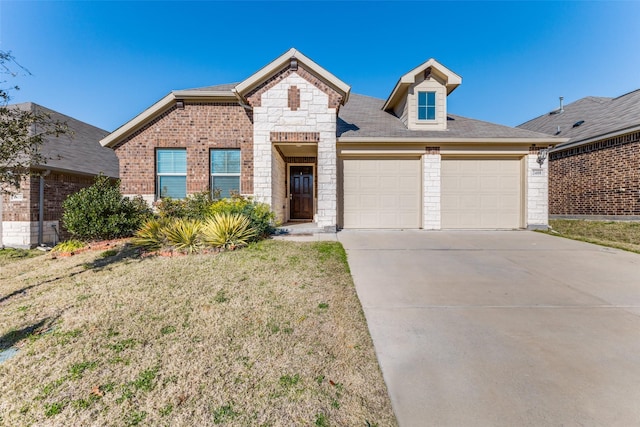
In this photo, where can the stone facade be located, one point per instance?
(20, 213)
(598, 179)
(431, 169)
(316, 114)
(198, 127)
(537, 190)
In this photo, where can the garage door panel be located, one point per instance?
(481, 193)
(382, 193)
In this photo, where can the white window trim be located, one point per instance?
(158, 194)
(426, 106)
(212, 174)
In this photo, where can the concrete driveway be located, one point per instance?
(501, 328)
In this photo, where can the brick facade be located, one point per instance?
(198, 127)
(20, 216)
(599, 178)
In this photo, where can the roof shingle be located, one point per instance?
(601, 116)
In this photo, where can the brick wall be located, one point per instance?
(24, 213)
(601, 178)
(198, 127)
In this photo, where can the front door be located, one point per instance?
(301, 192)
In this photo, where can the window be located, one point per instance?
(225, 172)
(426, 105)
(171, 170)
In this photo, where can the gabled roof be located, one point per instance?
(78, 151)
(275, 66)
(363, 118)
(451, 81)
(601, 118)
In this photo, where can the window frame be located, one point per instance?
(158, 192)
(427, 106)
(213, 175)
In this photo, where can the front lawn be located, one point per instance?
(269, 335)
(621, 235)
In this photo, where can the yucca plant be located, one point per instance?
(184, 235)
(227, 230)
(151, 236)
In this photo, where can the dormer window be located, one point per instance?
(426, 105)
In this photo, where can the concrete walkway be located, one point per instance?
(501, 328)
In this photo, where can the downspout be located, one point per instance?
(41, 208)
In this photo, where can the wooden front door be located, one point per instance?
(301, 192)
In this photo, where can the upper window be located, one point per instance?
(426, 105)
(171, 172)
(225, 172)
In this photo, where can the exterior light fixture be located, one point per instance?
(542, 155)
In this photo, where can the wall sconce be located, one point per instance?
(542, 155)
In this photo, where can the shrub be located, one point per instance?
(225, 230)
(68, 246)
(184, 235)
(194, 206)
(101, 212)
(151, 236)
(261, 218)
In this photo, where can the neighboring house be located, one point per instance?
(596, 174)
(32, 215)
(294, 136)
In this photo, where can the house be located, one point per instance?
(32, 216)
(294, 136)
(596, 173)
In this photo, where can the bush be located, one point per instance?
(200, 206)
(68, 246)
(184, 235)
(229, 231)
(101, 212)
(222, 230)
(151, 236)
(194, 206)
(261, 218)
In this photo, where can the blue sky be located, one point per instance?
(105, 62)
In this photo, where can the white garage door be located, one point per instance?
(382, 193)
(481, 193)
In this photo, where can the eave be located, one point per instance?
(444, 141)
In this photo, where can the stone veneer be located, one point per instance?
(431, 169)
(315, 114)
(537, 192)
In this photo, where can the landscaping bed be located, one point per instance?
(272, 334)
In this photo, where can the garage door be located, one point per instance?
(481, 193)
(382, 193)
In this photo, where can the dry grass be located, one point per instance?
(9, 255)
(271, 335)
(621, 235)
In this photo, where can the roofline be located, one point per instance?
(431, 140)
(409, 78)
(70, 171)
(598, 137)
(275, 65)
(160, 107)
